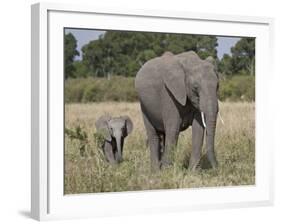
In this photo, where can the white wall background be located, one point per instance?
(15, 111)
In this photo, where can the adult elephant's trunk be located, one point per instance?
(210, 115)
(210, 138)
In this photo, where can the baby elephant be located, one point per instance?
(114, 131)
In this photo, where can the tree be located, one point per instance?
(206, 46)
(241, 60)
(243, 56)
(225, 65)
(80, 69)
(70, 45)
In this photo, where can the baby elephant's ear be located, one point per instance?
(102, 127)
(129, 125)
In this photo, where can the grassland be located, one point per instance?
(235, 149)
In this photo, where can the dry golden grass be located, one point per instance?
(235, 149)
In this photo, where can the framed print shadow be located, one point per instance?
(138, 111)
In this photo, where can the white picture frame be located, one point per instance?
(47, 198)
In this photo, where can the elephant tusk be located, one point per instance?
(221, 118)
(203, 119)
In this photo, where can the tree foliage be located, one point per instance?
(243, 54)
(70, 45)
(123, 53)
(109, 64)
(225, 65)
(242, 60)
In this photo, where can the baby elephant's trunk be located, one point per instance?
(118, 155)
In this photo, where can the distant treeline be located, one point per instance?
(118, 88)
(122, 53)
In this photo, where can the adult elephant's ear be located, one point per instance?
(174, 78)
(102, 127)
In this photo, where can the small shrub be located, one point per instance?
(79, 135)
(99, 139)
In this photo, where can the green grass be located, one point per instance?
(235, 149)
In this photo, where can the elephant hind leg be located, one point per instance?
(154, 144)
(169, 147)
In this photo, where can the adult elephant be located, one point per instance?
(177, 91)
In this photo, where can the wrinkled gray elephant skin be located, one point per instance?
(175, 92)
(114, 131)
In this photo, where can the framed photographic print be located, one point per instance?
(138, 111)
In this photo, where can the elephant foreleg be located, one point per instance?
(162, 145)
(109, 154)
(197, 142)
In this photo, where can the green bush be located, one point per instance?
(237, 88)
(100, 89)
(74, 89)
(119, 88)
